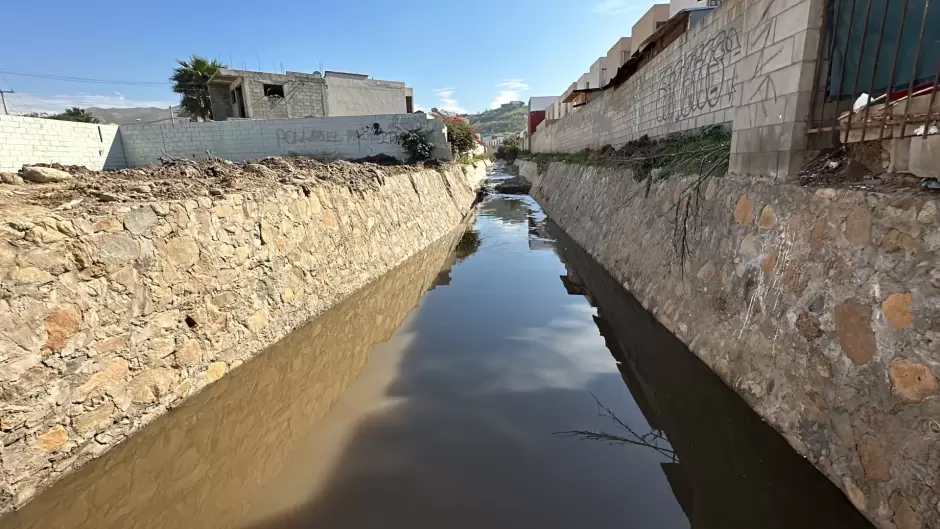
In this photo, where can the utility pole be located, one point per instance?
(4, 99)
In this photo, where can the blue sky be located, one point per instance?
(461, 56)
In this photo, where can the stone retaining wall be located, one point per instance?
(240, 432)
(821, 308)
(108, 322)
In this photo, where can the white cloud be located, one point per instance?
(23, 103)
(616, 7)
(448, 102)
(509, 90)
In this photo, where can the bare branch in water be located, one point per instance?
(649, 440)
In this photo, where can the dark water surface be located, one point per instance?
(451, 414)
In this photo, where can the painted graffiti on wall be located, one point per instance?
(307, 135)
(701, 78)
(370, 138)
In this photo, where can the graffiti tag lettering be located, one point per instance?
(699, 80)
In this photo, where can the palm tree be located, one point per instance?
(190, 80)
(75, 114)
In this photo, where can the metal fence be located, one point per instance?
(877, 71)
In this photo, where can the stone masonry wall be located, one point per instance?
(748, 62)
(243, 429)
(821, 309)
(108, 322)
(30, 140)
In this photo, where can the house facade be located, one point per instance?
(245, 94)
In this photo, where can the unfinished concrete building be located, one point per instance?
(248, 94)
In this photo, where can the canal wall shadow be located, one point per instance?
(415, 464)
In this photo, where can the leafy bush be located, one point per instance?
(509, 150)
(417, 143)
(461, 135)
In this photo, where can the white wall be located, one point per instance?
(678, 5)
(364, 97)
(239, 140)
(25, 141)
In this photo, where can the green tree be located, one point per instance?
(509, 150)
(461, 135)
(191, 82)
(75, 114)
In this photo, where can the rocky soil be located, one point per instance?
(86, 192)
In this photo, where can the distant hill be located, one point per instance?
(507, 120)
(121, 116)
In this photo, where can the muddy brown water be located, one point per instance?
(433, 398)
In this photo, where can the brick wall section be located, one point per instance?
(749, 62)
(239, 140)
(304, 96)
(35, 140)
(25, 141)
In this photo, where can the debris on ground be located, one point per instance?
(861, 166)
(44, 175)
(11, 179)
(81, 190)
(380, 159)
(861, 103)
(919, 131)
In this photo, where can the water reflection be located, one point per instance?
(468, 244)
(732, 469)
(449, 413)
(451, 423)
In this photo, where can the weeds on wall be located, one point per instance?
(703, 154)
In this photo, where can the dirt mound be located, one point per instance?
(89, 190)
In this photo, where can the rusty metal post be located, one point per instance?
(858, 72)
(910, 89)
(894, 64)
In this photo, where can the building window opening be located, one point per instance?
(273, 90)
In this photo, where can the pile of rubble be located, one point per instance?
(76, 188)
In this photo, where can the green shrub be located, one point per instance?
(417, 144)
(509, 150)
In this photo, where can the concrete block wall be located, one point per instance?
(362, 97)
(26, 141)
(239, 140)
(749, 62)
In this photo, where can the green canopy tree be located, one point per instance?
(191, 81)
(75, 114)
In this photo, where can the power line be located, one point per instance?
(56, 77)
(21, 106)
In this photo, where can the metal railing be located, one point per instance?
(878, 71)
